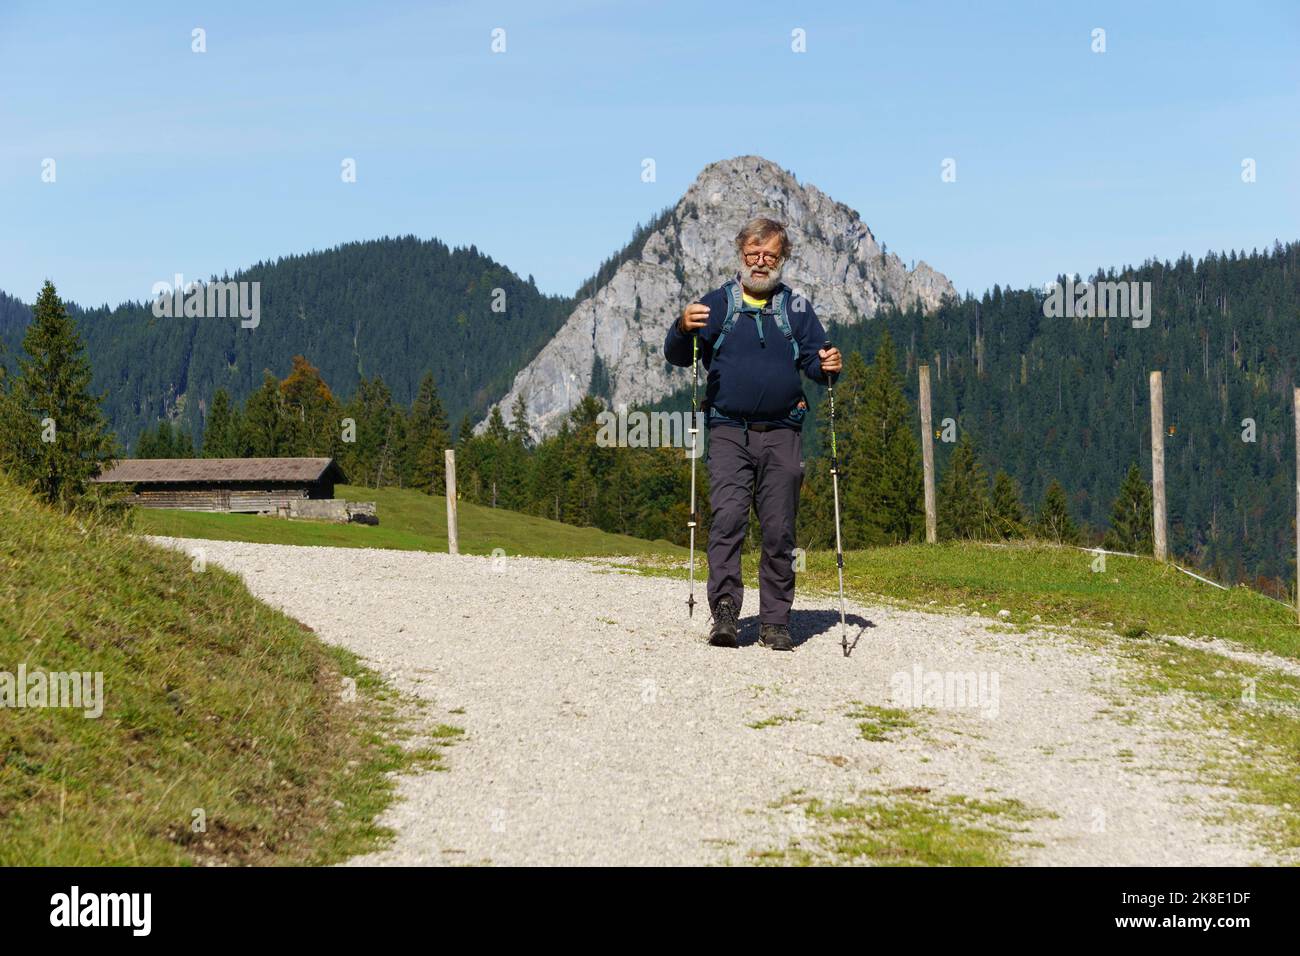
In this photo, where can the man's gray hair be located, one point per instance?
(760, 230)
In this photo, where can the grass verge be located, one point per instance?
(1245, 717)
(1131, 597)
(408, 521)
(229, 733)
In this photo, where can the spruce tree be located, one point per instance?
(887, 457)
(165, 441)
(1006, 517)
(428, 440)
(1053, 522)
(1131, 520)
(582, 476)
(515, 458)
(580, 494)
(374, 458)
(547, 480)
(53, 437)
(816, 509)
(963, 495)
(154, 442)
(223, 429)
(182, 442)
(267, 431)
(496, 427)
(468, 453)
(493, 452)
(520, 433)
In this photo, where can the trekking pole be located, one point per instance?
(835, 488)
(695, 431)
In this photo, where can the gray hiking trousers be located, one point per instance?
(765, 469)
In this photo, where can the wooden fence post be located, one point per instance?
(453, 538)
(1160, 526)
(1297, 503)
(927, 455)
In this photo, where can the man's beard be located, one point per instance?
(760, 285)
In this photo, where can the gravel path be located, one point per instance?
(600, 729)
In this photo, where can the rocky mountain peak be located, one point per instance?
(835, 261)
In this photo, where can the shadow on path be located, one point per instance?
(805, 625)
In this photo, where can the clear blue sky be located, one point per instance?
(170, 161)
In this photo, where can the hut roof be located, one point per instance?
(220, 470)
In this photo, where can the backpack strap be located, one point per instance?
(778, 307)
(734, 306)
(781, 304)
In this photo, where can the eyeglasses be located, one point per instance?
(768, 258)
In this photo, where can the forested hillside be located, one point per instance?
(1067, 398)
(393, 308)
(1040, 398)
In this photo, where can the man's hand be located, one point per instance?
(694, 317)
(832, 361)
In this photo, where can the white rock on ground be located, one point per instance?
(600, 729)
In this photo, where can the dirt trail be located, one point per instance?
(600, 729)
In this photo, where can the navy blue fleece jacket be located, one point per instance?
(751, 380)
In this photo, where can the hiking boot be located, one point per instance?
(775, 637)
(724, 624)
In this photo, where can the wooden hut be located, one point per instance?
(247, 485)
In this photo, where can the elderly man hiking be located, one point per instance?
(755, 337)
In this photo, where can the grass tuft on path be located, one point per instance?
(904, 827)
(878, 723)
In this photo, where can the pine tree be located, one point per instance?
(963, 495)
(469, 484)
(1006, 516)
(1131, 520)
(579, 464)
(1053, 522)
(428, 440)
(546, 482)
(166, 441)
(580, 494)
(53, 437)
(182, 442)
(515, 459)
(374, 458)
(154, 442)
(816, 510)
(887, 456)
(496, 427)
(267, 432)
(600, 385)
(520, 433)
(493, 448)
(223, 429)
